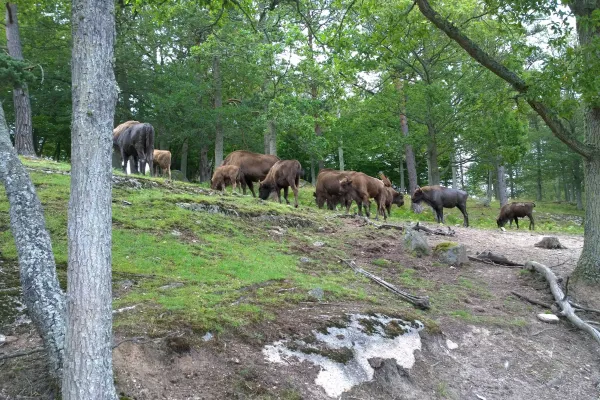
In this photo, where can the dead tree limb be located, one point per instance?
(579, 307)
(21, 354)
(532, 301)
(561, 299)
(485, 261)
(496, 259)
(421, 302)
(438, 231)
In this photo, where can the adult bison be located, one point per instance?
(514, 211)
(135, 140)
(282, 175)
(162, 160)
(253, 166)
(439, 197)
(328, 189)
(361, 188)
(226, 175)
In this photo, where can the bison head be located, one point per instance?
(216, 184)
(417, 196)
(265, 189)
(398, 199)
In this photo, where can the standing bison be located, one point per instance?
(328, 189)
(514, 211)
(226, 175)
(361, 188)
(162, 160)
(282, 175)
(254, 167)
(439, 197)
(135, 140)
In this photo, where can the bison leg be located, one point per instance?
(440, 215)
(251, 187)
(463, 210)
(285, 194)
(531, 222)
(295, 190)
(517, 222)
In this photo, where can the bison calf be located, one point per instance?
(162, 159)
(282, 175)
(226, 175)
(253, 166)
(514, 211)
(439, 197)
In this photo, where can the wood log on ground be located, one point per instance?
(550, 242)
(561, 299)
(532, 301)
(421, 302)
(438, 231)
(491, 258)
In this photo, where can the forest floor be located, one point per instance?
(203, 282)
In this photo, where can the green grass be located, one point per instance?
(235, 271)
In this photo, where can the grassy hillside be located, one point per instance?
(209, 272)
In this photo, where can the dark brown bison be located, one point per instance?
(254, 167)
(162, 160)
(282, 175)
(328, 189)
(361, 188)
(135, 140)
(226, 175)
(514, 211)
(439, 197)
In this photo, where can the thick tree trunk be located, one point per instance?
(454, 171)
(272, 138)
(24, 129)
(218, 106)
(411, 164)
(402, 181)
(577, 182)
(501, 186)
(432, 156)
(204, 174)
(184, 157)
(511, 176)
(88, 372)
(490, 189)
(43, 296)
(341, 155)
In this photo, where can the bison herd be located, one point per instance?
(136, 140)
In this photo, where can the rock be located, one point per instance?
(177, 175)
(318, 244)
(2, 339)
(304, 260)
(7, 339)
(550, 242)
(451, 253)
(376, 362)
(126, 284)
(451, 345)
(416, 243)
(549, 318)
(173, 285)
(207, 337)
(316, 293)
(503, 229)
(175, 232)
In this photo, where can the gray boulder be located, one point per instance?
(416, 243)
(451, 253)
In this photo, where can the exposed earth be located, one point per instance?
(491, 347)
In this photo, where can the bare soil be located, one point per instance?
(494, 360)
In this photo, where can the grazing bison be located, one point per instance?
(511, 211)
(137, 141)
(226, 175)
(254, 167)
(439, 197)
(361, 188)
(329, 190)
(282, 175)
(162, 159)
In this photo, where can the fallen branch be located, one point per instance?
(482, 260)
(438, 231)
(579, 307)
(561, 299)
(21, 354)
(532, 301)
(389, 226)
(495, 259)
(421, 302)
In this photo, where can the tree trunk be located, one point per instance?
(511, 176)
(411, 164)
(272, 138)
(205, 165)
(402, 182)
(218, 105)
(577, 182)
(313, 176)
(88, 372)
(462, 174)
(501, 186)
(24, 130)
(432, 156)
(57, 152)
(341, 154)
(43, 296)
(184, 157)
(454, 171)
(489, 186)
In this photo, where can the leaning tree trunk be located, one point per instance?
(42, 293)
(88, 372)
(218, 106)
(24, 129)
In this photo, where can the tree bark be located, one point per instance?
(432, 156)
(272, 138)
(184, 157)
(538, 166)
(511, 176)
(411, 164)
(218, 105)
(489, 186)
(205, 165)
(341, 154)
(88, 372)
(577, 182)
(454, 171)
(501, 186)
(402, 181)
(43, 296)
(313, 175)
(23, 125)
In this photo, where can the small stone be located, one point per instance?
(173, 285)
(451, 345)
(376, 362)
(207, 337)
(503, 229)
(318, 244)
(175, 233)
(316, 293)
(236, 360)
(304, 260)
(549, 318)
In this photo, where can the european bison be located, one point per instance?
(392, 197)
(282, 175)
(361, 188)
(329, 190)
(511, 211)
(137, 141)
(162, 159)
(439, 197)
(226, 175)
(254, 167)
